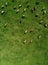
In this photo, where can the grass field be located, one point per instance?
(13, 49)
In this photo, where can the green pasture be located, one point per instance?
(13, 50)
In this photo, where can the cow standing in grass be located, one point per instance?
(45, 25)
(2, 6)
(20, 5)
(5, 25)
(24, 41)
(25, 31)
(6, 4)
(2, 12)
(14, 7)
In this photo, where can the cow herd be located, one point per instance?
(23, 16)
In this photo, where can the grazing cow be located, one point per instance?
(39, 36)
(28, 5)
(44, 12)
(36, 15)
(17, 11)
(23, 16)
(31, 31)
(41, 22)
(25, 31)
(14, 7)
(33, 9)
(6, 4)
(45, 25)
(24, 41)
(2, 12)
(31, 41)
(5, 25)
(20, 5)
(2, 6)
(24, 10)
(43, 9)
